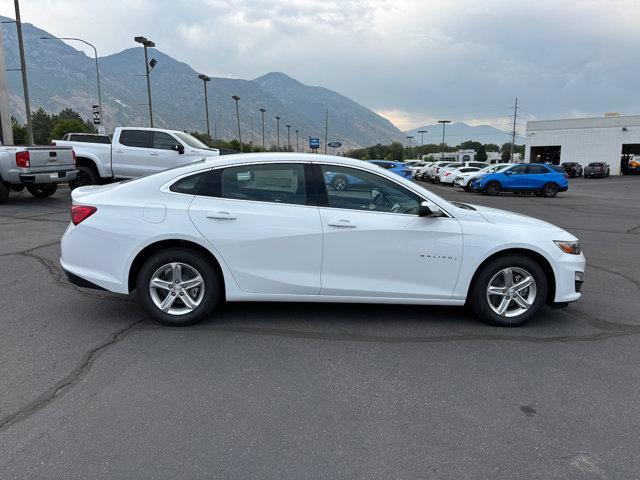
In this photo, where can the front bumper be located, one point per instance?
(569, 273)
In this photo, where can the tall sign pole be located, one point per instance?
(5, 112)
(23, 68)
(326, 129)
(513, 132)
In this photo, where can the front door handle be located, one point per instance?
(155, 154)
(342, 223)
(119, 151)
(221, 215)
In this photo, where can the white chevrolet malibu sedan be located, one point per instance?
(270, 227)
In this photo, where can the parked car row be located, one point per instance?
(540, 179)
(594, 169)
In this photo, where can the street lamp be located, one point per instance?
(444, 126)
(297, 131)
(95, 56)
(206, 79)
(422, 132)
(410, 137)
(262, 110)
(288, 138)
(147, 44)
(278, 127)
(237, 99)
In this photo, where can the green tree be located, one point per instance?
(66, 125)
(481, 154)
(19, 132)
(396, 151)
(42, 124)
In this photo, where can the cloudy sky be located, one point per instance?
(413, 61)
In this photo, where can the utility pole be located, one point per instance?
(288, 138)
(262, 110)
(444, 124)
(206, 79)
(410, 137)
(326, 129)
(278, 127)
(147, 44)
(513, 132)
(237, 99)
(251, 142)
(297, 144)
(422, 132)
(23, 68)
(5, 112)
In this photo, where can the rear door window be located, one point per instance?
(136, 138)
(537, 169)
(275, 183)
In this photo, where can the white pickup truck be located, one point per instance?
(133, 153)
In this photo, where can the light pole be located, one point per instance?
(422, 132)
(410, 138)
(147, 44)
(297, 145)
(278, 128)
(237, 99)
(23, 68)
(444, 125)
(262, 110)
(206, 79)
(95, 56)
(288, 138)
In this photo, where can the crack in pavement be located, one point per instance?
(31, 219)
(634, 230)
(614, 272)
(28, 250)
(69, 380)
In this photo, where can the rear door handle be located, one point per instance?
(221, 215)
(155, 154)
(342, 223)
(119, 151)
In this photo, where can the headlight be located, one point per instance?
(573, 248)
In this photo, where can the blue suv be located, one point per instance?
(538, 178)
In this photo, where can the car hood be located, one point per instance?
(504, 217)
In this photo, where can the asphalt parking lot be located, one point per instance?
(91, 388)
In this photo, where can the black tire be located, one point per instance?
(478, 292)
(17, 188)
(42, 191)
(466, 188)
(4, 191)
(492, 188)
(86, 176)
(550, 190)
(212, 286)
(340, 183)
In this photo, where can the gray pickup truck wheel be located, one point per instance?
(42, 191)
(86, 176)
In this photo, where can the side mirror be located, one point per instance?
(429, 209)
(178, 148)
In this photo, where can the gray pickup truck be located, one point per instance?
(38, 169)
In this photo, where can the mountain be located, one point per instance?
(61, 76)
(457, 133)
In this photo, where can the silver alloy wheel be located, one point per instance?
(339, 183)
(511, 292)
(176, 288)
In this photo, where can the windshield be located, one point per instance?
(191, 141)
(493, 168)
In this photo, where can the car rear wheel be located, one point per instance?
(178, 287)
(42, 191)
(466, 188)
(492, 188)
(550, 190)
(86, 176)
(509, 291)
(340, 182)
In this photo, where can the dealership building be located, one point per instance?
(613, 139)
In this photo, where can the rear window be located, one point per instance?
(88, 138)
(136, 138)
(595, 164)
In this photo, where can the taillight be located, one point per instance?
(22, 159)
(73, 154)
(79, 213)
(52, 143)
(447, 174)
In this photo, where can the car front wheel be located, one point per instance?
(340, 183)
(550, 190)
(509, 291)
(178, 287)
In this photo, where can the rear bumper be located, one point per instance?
(44, 177)
(79, 281)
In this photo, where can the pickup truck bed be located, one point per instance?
(39, 169)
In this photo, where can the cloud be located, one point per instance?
(413, 60)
